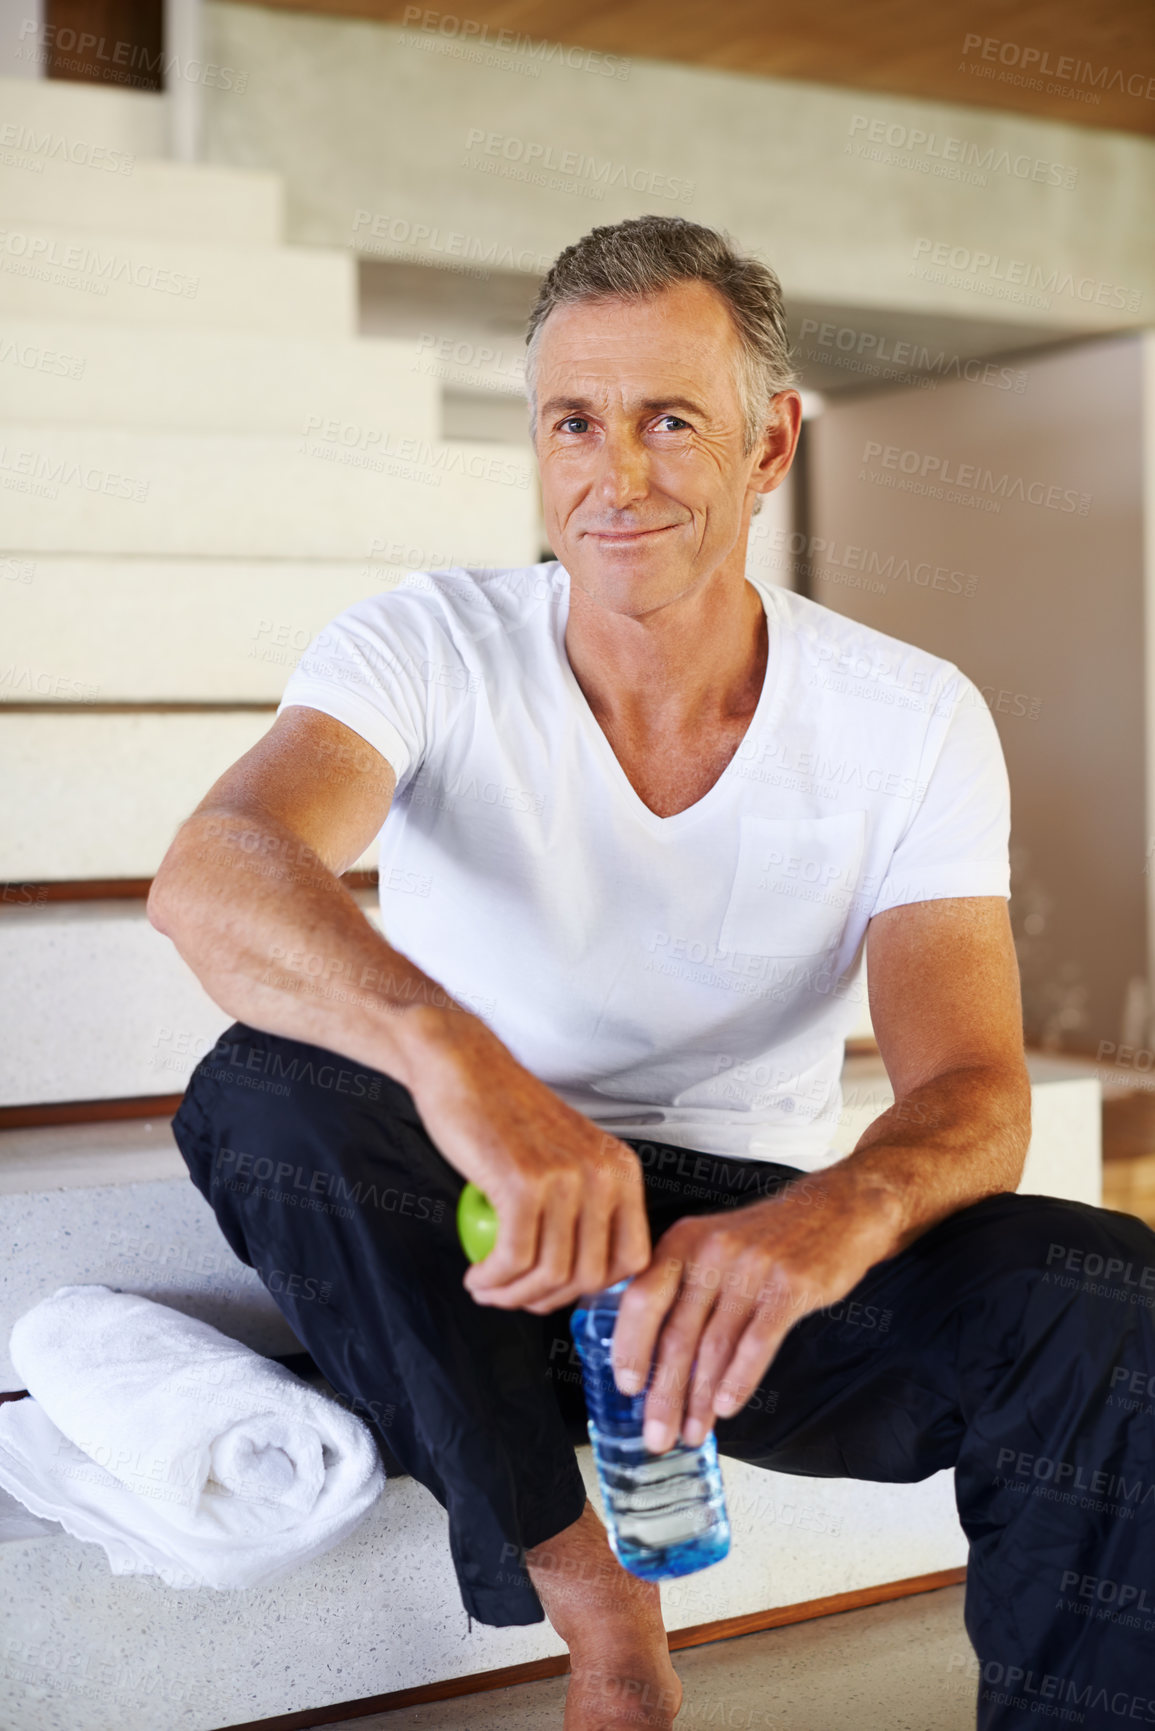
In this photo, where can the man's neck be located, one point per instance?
(690, 667)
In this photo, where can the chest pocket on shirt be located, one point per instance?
(794, 887)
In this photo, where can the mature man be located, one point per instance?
(639, 817)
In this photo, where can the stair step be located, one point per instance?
(85, 629)
(382, 1611)
(227, 495)
(394, 1615)
(121, 194)
(112, 1204)
(95, 276)
(119, 1209)
(99, 1005)
(95, 116)
(101, 795)
(158, 380)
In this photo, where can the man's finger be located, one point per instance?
(755, 1353)
(641, 1314)
(630, 1248)
(552, 1264)
(716, 1351)
(591, 1266)
(515, 1253)
(677, 1349)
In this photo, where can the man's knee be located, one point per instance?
(289, 1123)
(251, 1064)
(1086, 1256)
(1100, 1252)
(1052, 1233)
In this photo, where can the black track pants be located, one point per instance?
(1014, 1342)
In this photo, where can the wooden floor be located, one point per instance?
(906, 1666)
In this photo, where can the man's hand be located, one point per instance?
(569, 1197)
(723, 1290)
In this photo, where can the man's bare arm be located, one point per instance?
(946, 1008)
(250, 894)
(722, 1291)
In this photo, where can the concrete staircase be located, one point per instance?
(82, 1650)
(201, 463)
(277, 468)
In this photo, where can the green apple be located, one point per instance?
(476, 1223)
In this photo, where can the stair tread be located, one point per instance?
(86, 1156)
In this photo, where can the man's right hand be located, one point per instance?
(569, 1197)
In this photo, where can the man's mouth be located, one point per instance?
(612, 535)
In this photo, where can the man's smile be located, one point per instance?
(627, 535)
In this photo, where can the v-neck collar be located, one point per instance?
(768, 701)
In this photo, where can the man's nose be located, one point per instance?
(624, 471)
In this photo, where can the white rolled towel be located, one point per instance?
(180, 1451)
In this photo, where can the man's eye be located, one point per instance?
(677, 418)
(570, 419)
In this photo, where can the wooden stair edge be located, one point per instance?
(537, 1670)
(16, 894)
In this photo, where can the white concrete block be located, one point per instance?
(101, 795)
(99, 1005)
(120, 194)
(1065, 1154)
(158, 380)
(88, 629)
(434, 178)
(1065, 1157)
(81, 117)
(92, 276)
(382, 1611)
(93, 490)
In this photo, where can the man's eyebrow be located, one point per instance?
(648, 405)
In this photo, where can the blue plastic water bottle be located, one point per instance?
(666, 1513)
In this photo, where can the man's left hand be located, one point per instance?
(723, 1290)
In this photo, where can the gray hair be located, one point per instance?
(643, 255)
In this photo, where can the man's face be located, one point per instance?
(639, 443)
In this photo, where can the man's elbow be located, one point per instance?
(165, 892)
(157, 905)
(1016, 1117)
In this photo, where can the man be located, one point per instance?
(643, 816)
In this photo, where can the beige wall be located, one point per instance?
(1053, 632)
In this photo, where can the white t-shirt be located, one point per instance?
(689, 979)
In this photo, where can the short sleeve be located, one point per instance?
(957, 842)
(379, 667)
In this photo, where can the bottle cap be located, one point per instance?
(476, 1223)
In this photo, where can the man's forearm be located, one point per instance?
(279, 942)
(959, 1137)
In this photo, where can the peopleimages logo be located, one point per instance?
(971, 478)
(33, 254)
(447, 28)
(1035, 64)
(935, 153)
(120, 58)
(1030, 279)
(41, 147)
(571, 166)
